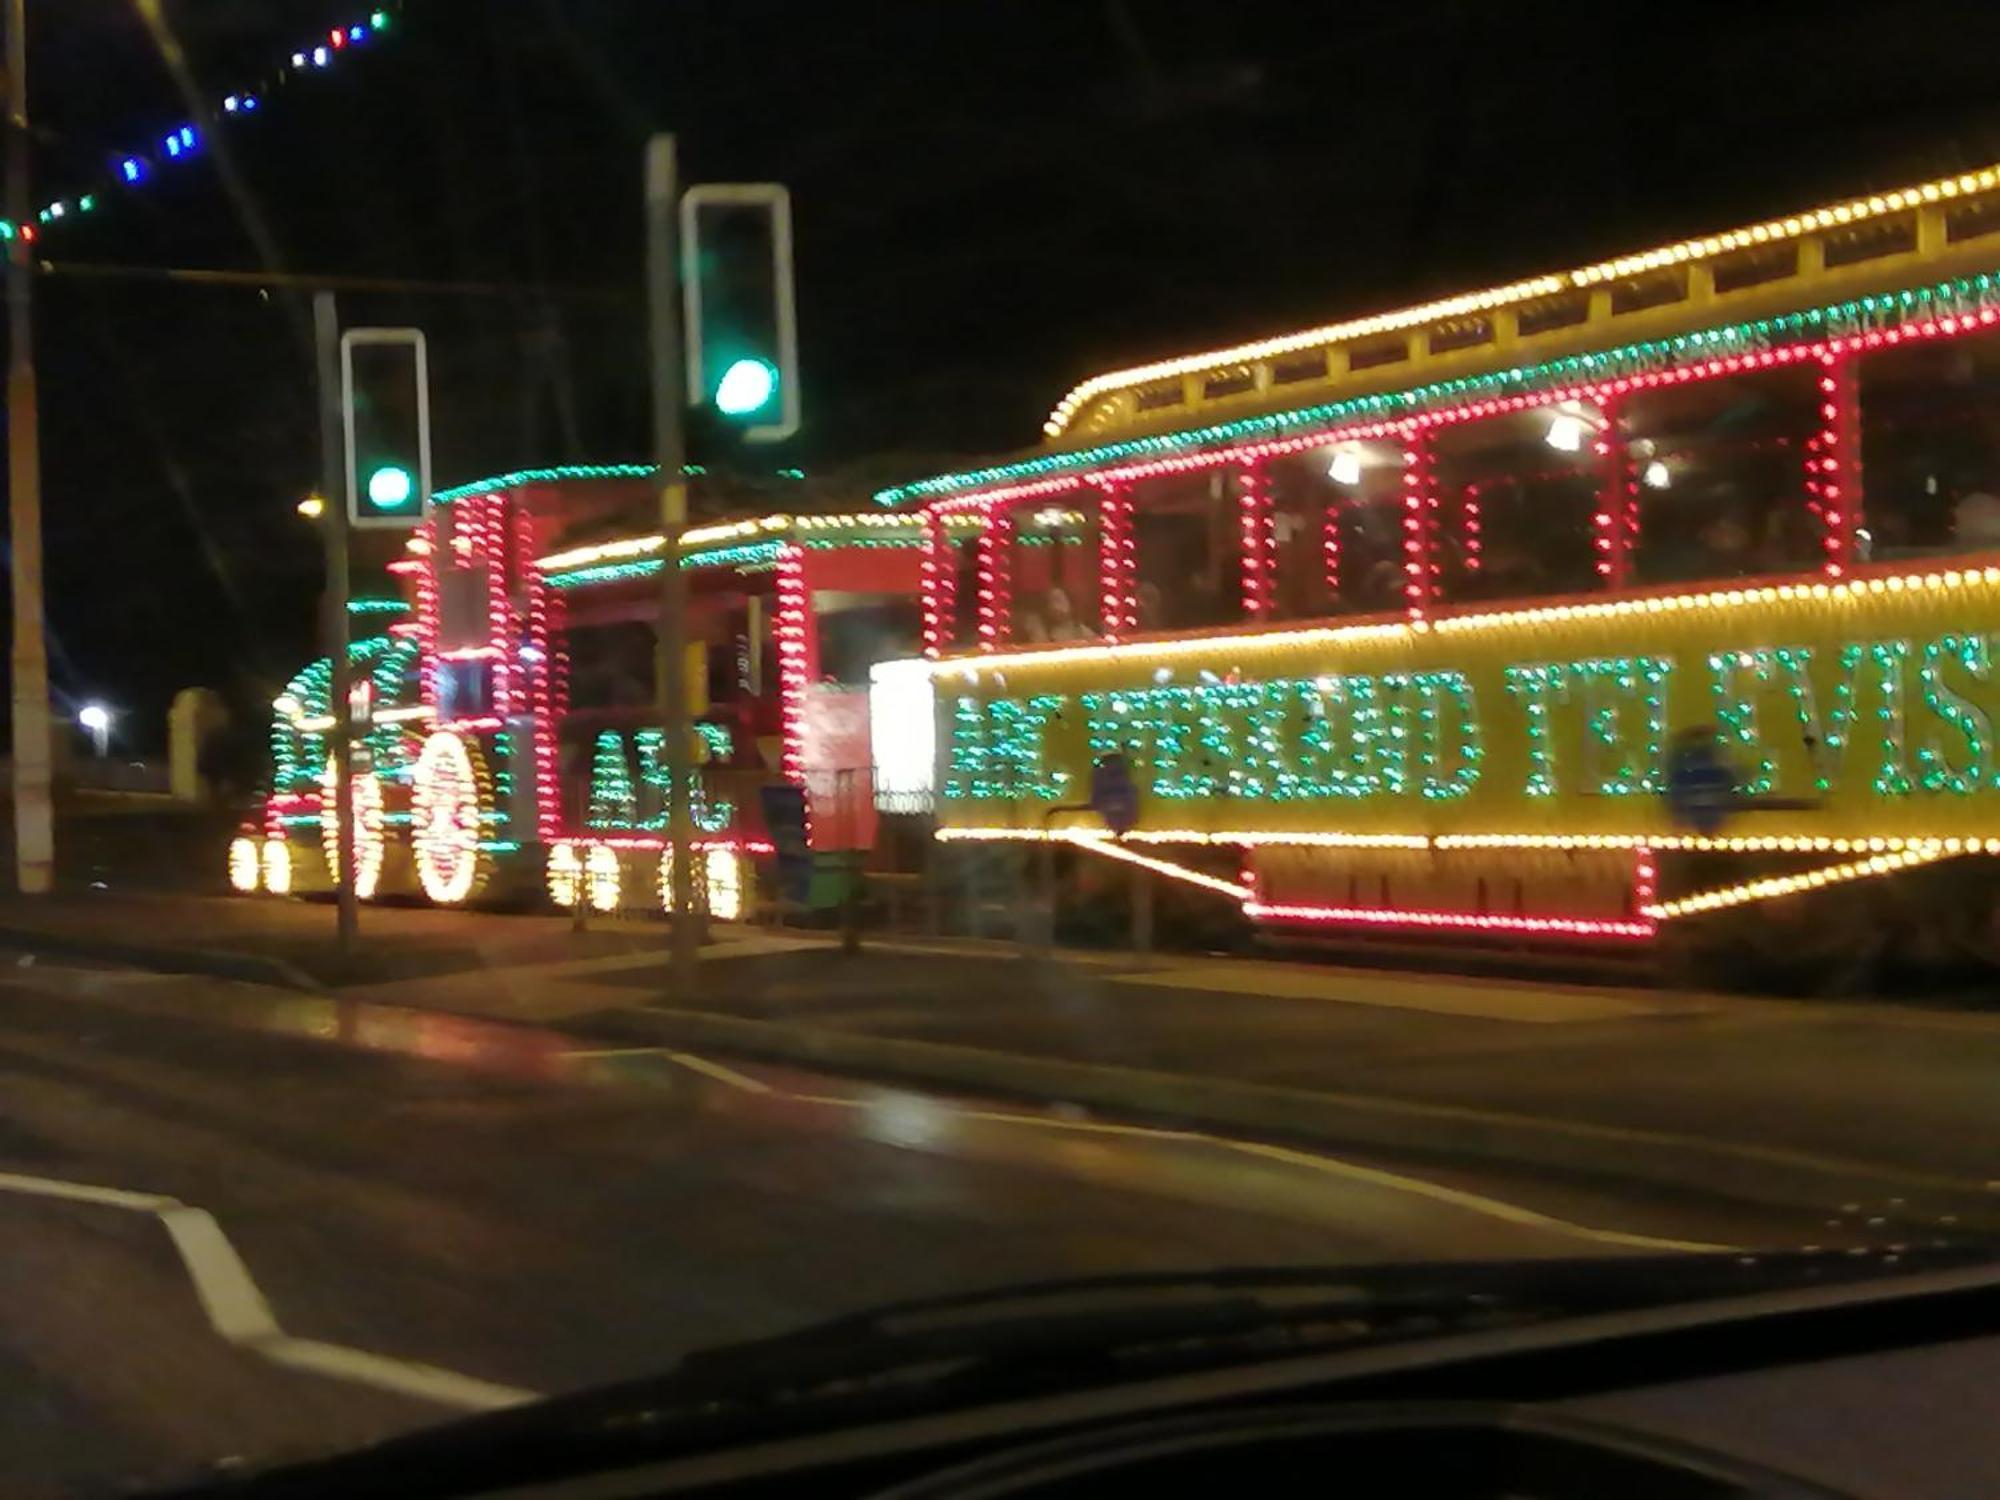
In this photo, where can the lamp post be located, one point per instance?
(34, 819)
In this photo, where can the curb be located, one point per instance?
(1754, 1174)
(213, 963)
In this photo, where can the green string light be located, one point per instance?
(746, 556)
(614, 803)
(1936, 771)
(556, 475)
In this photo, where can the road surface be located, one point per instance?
(243, 1226)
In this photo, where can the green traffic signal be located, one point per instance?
(746, 387)
(391, 487)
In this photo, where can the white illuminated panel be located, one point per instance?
(902, 727)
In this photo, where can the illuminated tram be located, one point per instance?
(1593, 609)
(1601, 606)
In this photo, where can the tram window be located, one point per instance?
(1516, 509)
(1356, 489)
(1930, 448)
(1721, 465)
(858, 630)
(610, 665)
(1055, 572)
(465, 689)
(963, 626)
(1187, 575)
(463, 600)
(725, 628)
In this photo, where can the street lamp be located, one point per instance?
(96, 718)
(312, 507)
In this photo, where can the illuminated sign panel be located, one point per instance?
(1867, 707)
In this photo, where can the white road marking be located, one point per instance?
(619, 1052)
(236, 1309)
(1477, 1203)
(721, 1074)
(713, 1070)
(83, 1192)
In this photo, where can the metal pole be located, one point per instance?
(34, 818)
(1142, 912)
(333, 520)
(663, 298)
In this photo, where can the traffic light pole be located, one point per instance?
(333, 520)
(34, 818)
(670, 444)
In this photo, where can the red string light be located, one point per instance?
(1258, 539)
(996, 579)
(425, 560)
(793, 666)
(1607, 521)
(540, 667)
(939, 584)
(1419, 521)
(1468, 526)
(1830, 455)
(492, 551)
(1117, 561)
(1645, 877)
(1330, 546)
(1370, 916)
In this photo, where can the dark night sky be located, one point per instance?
(994, 198)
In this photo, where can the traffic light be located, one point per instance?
(742, 324)
(386, 407)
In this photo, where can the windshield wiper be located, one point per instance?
(1100, 1327)
(1051, 1337)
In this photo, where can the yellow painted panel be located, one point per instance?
(1872, 702)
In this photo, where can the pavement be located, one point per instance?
(246, 1223)
(1773, 1101)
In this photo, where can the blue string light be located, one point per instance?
(185, 141)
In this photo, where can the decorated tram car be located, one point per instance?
(1599, 608)
(1603, 606)
(506, 714)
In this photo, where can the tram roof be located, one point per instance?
(1867, 244)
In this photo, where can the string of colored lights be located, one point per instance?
(996, 581)
(1253, 838)
(706, 540)
(1608, 448)
(1365, 916)
(183, 143)
(1117, 562)
(450, 795)
(938, 586)
(1163, 652)
(791, 627)
(1771, 887)
(1419, 504)
(1257, 546)
(1917, 312)
(1422, 559)
(1771, 231)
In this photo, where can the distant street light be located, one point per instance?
(312, 507)
(96, 718)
